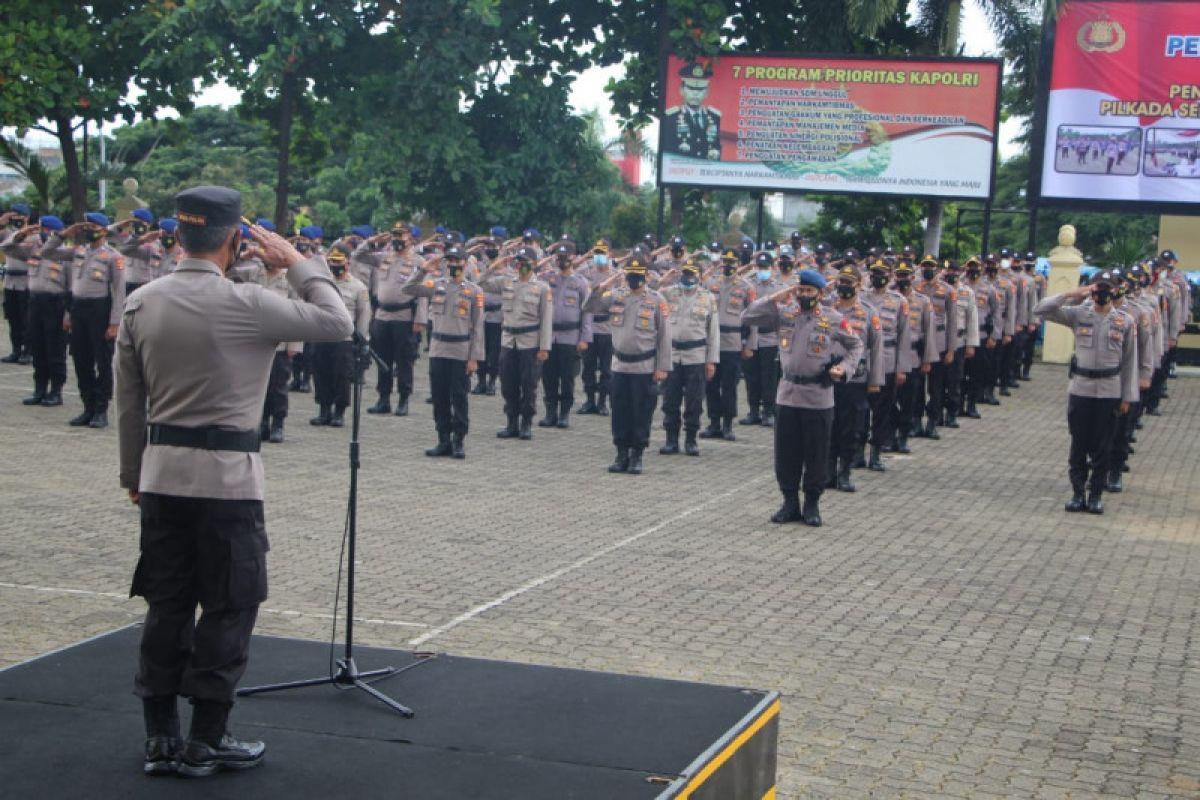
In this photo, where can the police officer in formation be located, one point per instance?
(572, 335)
(597, 359)
(49, 278)
(333, 362)
(695, 351)
(16, 285)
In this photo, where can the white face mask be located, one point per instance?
(1005, 263)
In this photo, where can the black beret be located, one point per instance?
(209, 207)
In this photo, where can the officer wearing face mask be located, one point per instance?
(527, 335)
(572, 335)
(675, 259)
(597, 359)
(49, 288)
(1005, 292)
(943, 305)
(910, 397)
(489, 368)
(695, 348)
(397, 313)
(745, 253)
(642, 357)
(1020, 308)
(760, 354)
(866, 377)
(817, 348)
(333, 362)
(896, 355)
(966, 339)
(786, 265)
(97, 297)
(307, 243)
(141, 248)
(16, 283)
(978, 378)
(456, 345)
(733, 295)
(1037, 291)
(1104, 381)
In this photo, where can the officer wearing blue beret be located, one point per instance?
(16, 286)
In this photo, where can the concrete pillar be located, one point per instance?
(1065, 261)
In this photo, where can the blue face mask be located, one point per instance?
(600, 259)
(764, 275)
(688, 281)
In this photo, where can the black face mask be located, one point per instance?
(44, 236)
(564, 263)
(454, 269)
(1102, 296)
(492, 253)
(973, 274)
(904, 284)
(139, 230)
(808, 303)
(846, 291)
(16, 223)
(337, 269)
(635, 281)
(928, 274)
(399, 244)
(168, 242)
(822, 259)
(303, 247)
(992, 272)
(93, 235)
(728, 269)
(677, 252)
(951, 278)
(879, 280)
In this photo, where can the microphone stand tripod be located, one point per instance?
(347, 674)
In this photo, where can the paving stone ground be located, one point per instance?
(949, 632)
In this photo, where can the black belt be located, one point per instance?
(452, 338)
(411, 304)
(731, 329)
(940, 328)
(209, 438)
(806, 381)
(986, 328)
(918, 345)
(690, 344)
(633, 358)
(1108, 372)
(889, 342)
(491, 306)
(519, 329)
(600, 318)
(962, 332)
(567, 326)
(16, 273)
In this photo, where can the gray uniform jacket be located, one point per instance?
(390, 272)
(16, 258)
(1174, 304)
(195, 350)
(569, 292)
(734, 295)
(254, 271)
(100, 272)
(358, 303)
(455, 316)
(528, 309)
(596, 275)
(891, 308)
(808, 341)
(943, 305)
(987, 310)
(1008, 304)
(692, 318)
(1103, 342)
(760, 335)
(967, 316)
(170, 260)
(141, 260)
(493, 302)
(867, 326)
(921, 332)
(1145, 336)
(641, 330)
(54, 271)
(1022, 287)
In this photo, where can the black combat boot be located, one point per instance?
(1077, 502)
(875, 464)
(163, 743)
(790, 510)
(35, 399)
(442, 448)
(589, 405)
(99, 419)
(902, 443)
(972, 410)
(1025, 373)
(491, 386)
(480, 384)
(602, 404)
(689, 444)
(811, 513)
(52, 398)
(305, 385)
(727, 430)
(671, 447)
(339, 417)
(951, 421)
(713, 431)
(526, 428)
(382, 406)
(401, 406)
(1113, 484)
(635, 461)
(276, 435)
(211, 748)
(323, 417)
(842, 482)
(564, 415)
(768, 418)
(551, 418)
(622, 462)
(931, 431)
(511, 431)
(860, 457)
(1004, 392)
(752, 418)
(456, 447)
(83, 420)
(12, 358)
(1094, 505)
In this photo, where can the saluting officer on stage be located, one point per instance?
(194, 354)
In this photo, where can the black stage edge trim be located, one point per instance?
(486, 730)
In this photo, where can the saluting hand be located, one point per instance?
(277, 252)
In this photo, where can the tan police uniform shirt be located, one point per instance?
(456, 316)
(528, 311)
(641, 332)
(1103, 341)
(692, 318)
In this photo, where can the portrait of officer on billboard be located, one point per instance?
(693, 129)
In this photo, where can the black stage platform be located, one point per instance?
(70, 728)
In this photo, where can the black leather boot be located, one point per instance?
(35, 399)
(526, 428)
(551, 418)
(768, 419)
(339, 417)
(322, 417)
(753, 418)
(12, 358)
(564, 415)
(442, 448)
(635, 461)
(973, 410)
(402, 406)
(82, 420)
(1113, 484)
(811, 513)
(789, 511)
(305, 385)
(382, 406)
(931, 431)
(276, 435)
(1077, 502)
(589, 405)
(671, 447)
(902, 444)
(511, 431)
(491, 386)
(842, 481)
(602, 405)
(713, 431)
(480, 384)
(860, 457)
(99, 419)
(951, 421)
(689, 444)
(456, 447)
(727, 430)
(1094, 504)
(1025, 373)
(621, 464)
(875, 464)
(211, 748)
(52, 398)
(163, 743)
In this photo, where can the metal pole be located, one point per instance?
(85, 161)
(957, 227)
(987, 226)
(662, 192)
(1033, 221)
(103, 183)
(762, 200)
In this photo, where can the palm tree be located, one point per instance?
(26, 163)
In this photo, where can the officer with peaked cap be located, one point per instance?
(572, 335)
(16, 285)
(193, 358)
(1104, 381)
(139, 244)
(816, 348)
(49, 291)
(333, 362)
(733, 294)
(695, 351)
(597, 359)
(693, 129)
